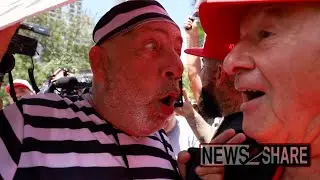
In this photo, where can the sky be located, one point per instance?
(179, 10)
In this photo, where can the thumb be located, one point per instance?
(183, 158)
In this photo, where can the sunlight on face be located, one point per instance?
(143, 74)
(277, 65)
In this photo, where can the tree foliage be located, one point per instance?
(67, 47)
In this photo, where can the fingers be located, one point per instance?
(224, 137)
(212, 177)
(217, 173)
(178, 110)
(183, 158)
(188, 24)
(237, 139)
(201, 171)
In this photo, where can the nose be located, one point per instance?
(239, 59)
(174, 68)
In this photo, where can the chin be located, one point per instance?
(149, 128)
(263, 127)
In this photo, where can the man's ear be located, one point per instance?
(97, 63)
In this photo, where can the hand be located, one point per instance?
(191, 27)
(187, 109)
(213, 173)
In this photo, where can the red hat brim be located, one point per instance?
(220, 20)
(16, 85)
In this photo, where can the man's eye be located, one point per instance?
(265, 34)
(151, 46)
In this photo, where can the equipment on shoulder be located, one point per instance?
(22, 45)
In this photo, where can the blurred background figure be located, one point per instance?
(22, 88)
(212, 88)
(180, 134)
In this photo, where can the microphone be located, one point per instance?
(66, 82)
(35, 28)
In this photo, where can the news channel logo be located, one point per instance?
(293, 155)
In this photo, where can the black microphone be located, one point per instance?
(35, 28)
(66, 82)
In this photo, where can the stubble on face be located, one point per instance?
(220, 86)
(134, 83)
(285, 58)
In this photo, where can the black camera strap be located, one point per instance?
(12, 91)
(31, 77)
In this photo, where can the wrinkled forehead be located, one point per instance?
(155, 28)
(276, 12)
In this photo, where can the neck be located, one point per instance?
(108, 114)
(171, 125)
(312, 172)
(297, 173)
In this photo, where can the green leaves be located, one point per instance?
(67, 47)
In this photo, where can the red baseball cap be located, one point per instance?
(19, 83)
(220, 20)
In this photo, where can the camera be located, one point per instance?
(67, 86)
(25, 45)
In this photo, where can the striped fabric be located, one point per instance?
(127, 15)
(50, 137)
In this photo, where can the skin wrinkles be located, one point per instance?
(284, 63)
(139, 69)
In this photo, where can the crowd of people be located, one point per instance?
(254, 81)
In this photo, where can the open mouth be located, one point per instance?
(252, 94)
(168, 100)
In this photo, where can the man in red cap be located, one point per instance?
(272, 47)
(21, 87)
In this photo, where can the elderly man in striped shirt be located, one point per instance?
(113, 133)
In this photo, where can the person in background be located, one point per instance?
(21, 87)
(180, 134)
(208, 79)
(212, 88)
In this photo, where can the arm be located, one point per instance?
(11, 135)
(193, 62)
(202, 130)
